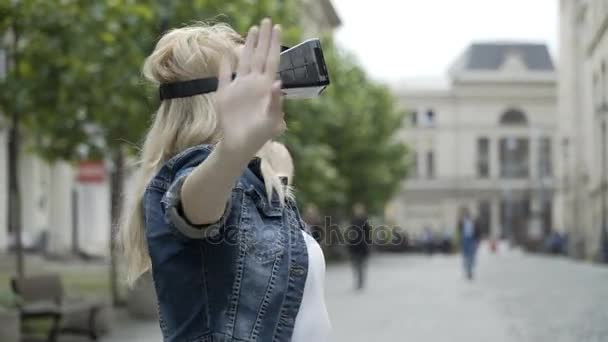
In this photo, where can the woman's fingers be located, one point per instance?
(261, 50)
(245, 59)
(274, 52)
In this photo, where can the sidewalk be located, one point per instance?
(514, 297)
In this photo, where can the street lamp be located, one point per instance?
(602, 112)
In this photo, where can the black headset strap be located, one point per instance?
(187, 88)
(175, 90)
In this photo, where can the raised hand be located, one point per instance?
(250, 106)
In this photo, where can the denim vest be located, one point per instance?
(240, 279)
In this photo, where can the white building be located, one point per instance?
(583, 101)
(76, 213)
(485, 141)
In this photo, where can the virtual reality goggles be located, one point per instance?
(302, 72)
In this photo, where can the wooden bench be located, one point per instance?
(43, 297)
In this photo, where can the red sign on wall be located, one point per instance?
(91, 172)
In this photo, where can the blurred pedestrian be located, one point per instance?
(315, 222)
(359, 243)
(428, 240)
(210, 217)
(470, 234)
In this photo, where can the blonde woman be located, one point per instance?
(209, 217)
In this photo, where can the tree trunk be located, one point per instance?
(14, 195)
(116, 191)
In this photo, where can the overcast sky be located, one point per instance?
(418, 39)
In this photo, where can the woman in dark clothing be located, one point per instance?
(359, 243)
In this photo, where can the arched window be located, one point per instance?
(513, 117)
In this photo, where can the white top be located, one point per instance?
(312, 321)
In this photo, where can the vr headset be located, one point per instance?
(302, 72)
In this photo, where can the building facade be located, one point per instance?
(74, 211)
(583, 113)
(485, 141)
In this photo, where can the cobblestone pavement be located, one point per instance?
(515, 298)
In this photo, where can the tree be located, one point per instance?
(74, 83)
(344, 141)
(75, 65)
(75, 80)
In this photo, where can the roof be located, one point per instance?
(491, 56)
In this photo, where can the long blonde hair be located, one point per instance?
(181, 54)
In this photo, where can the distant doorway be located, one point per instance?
(514, 219)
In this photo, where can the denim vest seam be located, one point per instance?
(207, 336)
(180, 156)
(266, 300)
(158, 183)
(293, 295)
(204, 281)
(236, 286)
(278, 329)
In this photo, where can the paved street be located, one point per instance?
(417, 298)
(514, 298)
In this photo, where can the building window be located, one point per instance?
(513, 117)
(484, 218)
(545, 167)
(430, 165)
(483, 157)
(514, 157)
(547, 216)
(414, 118)
(430, 118)
(514, 218)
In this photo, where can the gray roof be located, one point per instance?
(491, 56)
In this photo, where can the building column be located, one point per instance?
(533, 154)
(495, 219)
(535, 230)
(60, 215)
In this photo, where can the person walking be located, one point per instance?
(470, 234)
(359, 243)
(210, 218)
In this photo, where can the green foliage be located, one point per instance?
(9, 300)
(240, 14)
(78, 67)
(344, 141)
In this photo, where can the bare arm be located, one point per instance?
(207, 189)
(250, 112)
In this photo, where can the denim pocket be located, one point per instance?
(263, 226)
